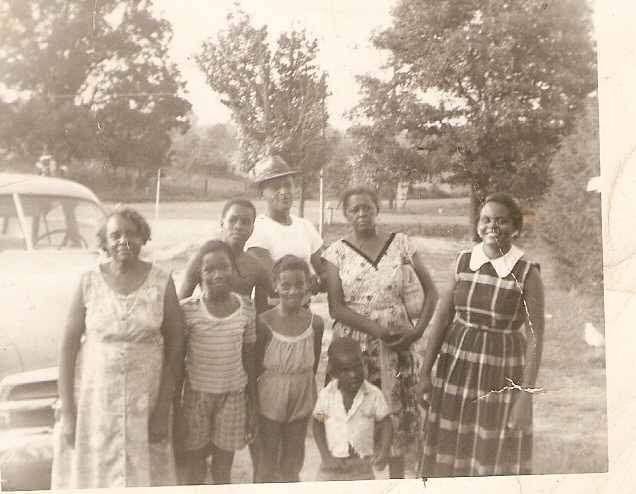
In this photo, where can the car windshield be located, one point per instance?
(45, 222)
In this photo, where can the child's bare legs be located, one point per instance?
(196, 466)
(293, 453)
(255, 455)
(283, 450)
(221, 465)
(396, 467)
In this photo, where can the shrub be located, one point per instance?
(569, 217)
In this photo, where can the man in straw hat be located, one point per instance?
(277, 232)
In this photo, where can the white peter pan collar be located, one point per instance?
(503, 265)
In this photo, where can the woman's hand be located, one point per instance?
(401, 338)
(158, 424)
(68, 427)
(521, 412)
(424, 388)
(252, 421)
(401, 343)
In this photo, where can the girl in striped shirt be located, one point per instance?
(220, 370)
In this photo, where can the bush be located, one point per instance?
(569, 218)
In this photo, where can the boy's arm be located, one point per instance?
(249, 363)
(320, 436)
(190, 276)
(385, 435)
(319, 329)
(261, 287)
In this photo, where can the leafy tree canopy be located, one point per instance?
(276, 95)
(479, 92)
(93, 80)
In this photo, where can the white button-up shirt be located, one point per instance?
(355, 427)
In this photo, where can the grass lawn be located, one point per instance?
(570, 416)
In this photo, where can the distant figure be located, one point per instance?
(349, 413)
(289, 344)
(487, 339)
(120, 366)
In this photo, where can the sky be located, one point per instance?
(343, 30)
(343, 34)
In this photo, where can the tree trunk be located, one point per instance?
(473, 214)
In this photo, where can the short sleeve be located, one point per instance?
(331, 254)
(321, 408)
(314, 237)
(461, 259)
(259, 237)
(188, 305)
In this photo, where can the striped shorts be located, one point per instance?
(217, 419)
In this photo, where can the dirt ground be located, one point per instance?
(570, 414)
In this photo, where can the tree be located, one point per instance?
(277, 98)
(479, 92)
(206, 150)
(569, 216)
(92, 80)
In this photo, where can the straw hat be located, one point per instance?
(269, 168)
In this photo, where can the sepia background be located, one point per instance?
(571, 418)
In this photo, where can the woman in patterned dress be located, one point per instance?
(487, 339)
(364, 279)
(120, 364)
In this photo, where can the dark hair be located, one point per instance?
(359, 190)
(290, 263)
(506, 200)
(212, 246)
(238, 201)
(140, 223)
(342, 349)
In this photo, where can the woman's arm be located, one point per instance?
(431, 296)
(441, 323)
(190, 277)
(342, 313)
(534, 299)
(174, 342)
(69, 347)
(318, 263)
(385, 435)
(319, 329)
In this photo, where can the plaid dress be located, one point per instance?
(465, 432)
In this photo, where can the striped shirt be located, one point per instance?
(214, 359)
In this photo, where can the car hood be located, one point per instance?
(36, 290)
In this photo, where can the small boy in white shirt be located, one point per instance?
(349, 414)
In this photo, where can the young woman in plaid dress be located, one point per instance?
(487, 340)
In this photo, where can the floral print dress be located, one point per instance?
(372, 287)
(117, 379)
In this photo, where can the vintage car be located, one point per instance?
(48, 232)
